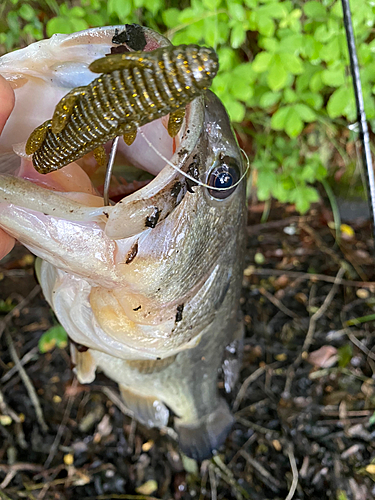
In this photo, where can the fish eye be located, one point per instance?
(225, 173)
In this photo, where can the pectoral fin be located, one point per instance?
(147, 410)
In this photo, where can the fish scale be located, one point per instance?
(134, 89)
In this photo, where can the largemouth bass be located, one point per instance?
(147, 288)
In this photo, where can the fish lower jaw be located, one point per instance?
(103, 328)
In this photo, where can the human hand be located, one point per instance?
(6, 107)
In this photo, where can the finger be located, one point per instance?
(6, 243)
(6, 101)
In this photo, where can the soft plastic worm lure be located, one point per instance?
(134, 89)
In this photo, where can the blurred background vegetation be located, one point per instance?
(283, 76)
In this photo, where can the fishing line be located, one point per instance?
(111, 160)
(188, 176)
(108, 172)
(362, 121)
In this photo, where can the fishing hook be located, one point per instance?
(362, 121)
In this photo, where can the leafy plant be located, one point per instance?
(54, 337)
(283, 68)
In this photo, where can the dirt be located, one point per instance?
(304, 403)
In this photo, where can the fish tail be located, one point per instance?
(200, 440)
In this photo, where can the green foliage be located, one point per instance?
(283, 67)
(55, 336)
(345, 354)
(6, 305)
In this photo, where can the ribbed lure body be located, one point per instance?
(134, 88)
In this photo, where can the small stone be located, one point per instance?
(362, 293)
(5, 420)
(69, 459)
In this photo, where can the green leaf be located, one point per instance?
(339, 101)
(277, 75)
(76, 12)
(269, 99)
(6, 305)
(293, 123)
(238, 35)
(276, 10)
(77, 24)
(266, 26)
(315, 10)
(345, 354)
(235, 109)
(265, 183)
(292, 62)
(241, 89)
(305, 113)
(170, 17)
(252, 4)
(58, 25)
(236, 11)
(333, 78)
(261, 62)
(27, 12)
(289, 96)
(211, 4)
(120, 7)
(55, 336)
(316, 83)
(304, 196)
(312, 99)
(269, 44)
(323, 34)
(279, 118)
(331, 51)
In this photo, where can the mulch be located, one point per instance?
(304, 403)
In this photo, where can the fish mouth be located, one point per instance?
(148, 181)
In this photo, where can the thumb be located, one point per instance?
(6, 101)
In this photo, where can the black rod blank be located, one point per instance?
(363, 127)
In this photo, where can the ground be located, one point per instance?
(304, 403)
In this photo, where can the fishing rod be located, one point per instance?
(362, 121)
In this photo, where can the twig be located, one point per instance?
(360, 345)
(310, 276)
(276, 302)
(245, 385)
(62, 425)
(27, 382)
(117, 401)
(293, 465)
(265, 476)
(3, 496)
(18, 308)
(211, 474)
(277, 224)
(12, 470)
(319, 313)
(311, 330)
(5, 409)
(258, 428)
(23, 361)
(203, 482)
(227, 475)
